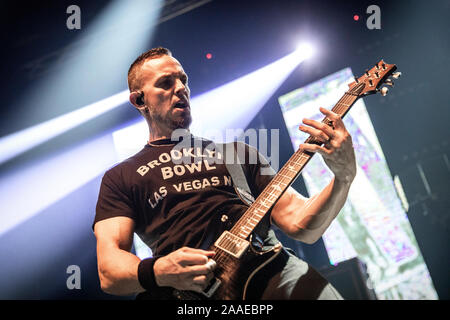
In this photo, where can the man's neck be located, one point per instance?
(174, 134)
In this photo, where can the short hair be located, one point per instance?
(133, 76)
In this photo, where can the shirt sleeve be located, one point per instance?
(114, 199)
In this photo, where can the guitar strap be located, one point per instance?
(235, 167)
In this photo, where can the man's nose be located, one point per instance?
(181, 88)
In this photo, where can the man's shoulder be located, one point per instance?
(128, 163)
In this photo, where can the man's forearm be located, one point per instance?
(118, 275)
(322, 208)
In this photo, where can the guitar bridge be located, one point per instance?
(209, 291)
(232, 244)
(190, 295)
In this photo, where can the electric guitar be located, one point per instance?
(237, 260)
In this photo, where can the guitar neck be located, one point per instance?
(285, 177)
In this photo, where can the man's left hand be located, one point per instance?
(337, 150)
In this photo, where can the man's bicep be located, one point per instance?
(114, 232)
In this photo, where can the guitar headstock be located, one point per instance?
(373, 79)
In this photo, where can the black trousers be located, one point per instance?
(290, 278)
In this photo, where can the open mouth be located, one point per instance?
(181, 105)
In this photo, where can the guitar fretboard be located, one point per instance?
(286, 176)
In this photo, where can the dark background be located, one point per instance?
(411, 122)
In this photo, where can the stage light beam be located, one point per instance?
(305, 50)
(90, 67)
(28, 190)
(24, 140)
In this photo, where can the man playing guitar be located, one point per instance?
(170, 204)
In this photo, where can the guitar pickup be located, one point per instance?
(232, 244)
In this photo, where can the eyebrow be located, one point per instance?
(169, 75)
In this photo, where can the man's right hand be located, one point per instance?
(185, 269)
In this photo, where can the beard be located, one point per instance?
(173, 119)
(182, 122)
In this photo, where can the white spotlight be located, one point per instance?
(305, 50)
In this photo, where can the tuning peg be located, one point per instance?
(367, 72)
(396, 75)
(384, 91)
(356, 80)
(389, 82)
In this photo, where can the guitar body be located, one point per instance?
(234, 275)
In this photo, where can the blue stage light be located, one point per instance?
(91, 67)
(22, 141)
(30, 189)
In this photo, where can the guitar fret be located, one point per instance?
(284, 176)
(341, 103)
(258, 214)
(291, 169)
(276, 191)
(286, 181)
(304, 157)
(243, 235)
(276, 184)
(301, 158)
(269, 193)
(275, 196)
(280, 185)
(265, 206)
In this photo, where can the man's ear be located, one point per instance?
(137, 100)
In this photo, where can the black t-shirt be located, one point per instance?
(173, 190)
